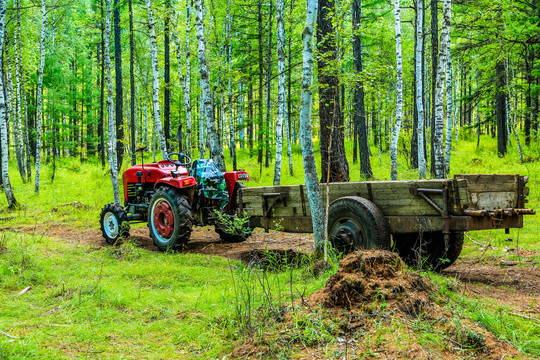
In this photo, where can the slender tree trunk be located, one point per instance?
(437, 142)
(132, 84)
(12, 202)
(501, 109)
(111, 140)
(449, 90)
(290, 136)
(19, 98)
(310, 170)
(216, 151)
(281, 90)
(420, 89)
(399, 101)
(185, 80)
(167, 79)
(232, 145)
(40, 93)
(102, 91)
(22, 97)
(434, 64)
(360, 108)
(13, 100)
(333, 158)
(269, 89)
(155, 82)
(261, 83)
(119, 114)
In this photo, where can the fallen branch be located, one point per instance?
(509, 263)
(526, 317)
(477, 242)
(25, 290)
(9, 336)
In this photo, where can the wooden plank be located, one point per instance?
(493, 200)
(490, 182)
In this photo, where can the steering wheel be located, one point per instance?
(181, 156)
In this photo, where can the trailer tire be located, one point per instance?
(114, 223)
(169, 219)
(231, 237)
(356, 223)
(427, 250)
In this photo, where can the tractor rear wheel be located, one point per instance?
(169, 219)
(356, 223)
(114, 223)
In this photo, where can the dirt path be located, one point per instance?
(516, 286)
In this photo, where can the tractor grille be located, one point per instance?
(131, 191)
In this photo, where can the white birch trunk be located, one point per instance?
(281, 90)
(449, 89)
(438, 152)
(40, 93)
(420, 89)
(145, 124)
(241, 115)
(111, 139)
(185, 79)
(22, 145)
(12, 202)
(155, 82)
(513, 119)
(232, 144)
(399, 101)
(310, 170)
(456, 127)
(23, 96)
(12, 110)
(216, 151)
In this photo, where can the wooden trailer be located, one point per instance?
(424, 220)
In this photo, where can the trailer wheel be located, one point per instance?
(169, 219)
(357, 223)
(427, 250)
(114, 223)
(229, 236)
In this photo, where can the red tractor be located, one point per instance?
(172, 199)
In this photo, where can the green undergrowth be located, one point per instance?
(126, 302)
(500, 320)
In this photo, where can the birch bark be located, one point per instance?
(310, 170)
(155, 83)
(40, 93)
(420, 89)
(12, 202)
(232, 144)
(438, 152)
(12, 109)
(23, 95)
(111, 139)
(185, 79)
(449, 89)
(18, 98)
(216, 152)
(399, 101)
(281, 90)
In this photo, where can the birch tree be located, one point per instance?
(216, 151)
(155, 82)
(40, 93)
(111, 140)
(399, 100)
(420, 89)
(449, 93)
(12, 106)
(360, 108)
(281, 90)
(310, 170)
(18, 98)
(23, 95)
(12, 202)
(185, 79)
(232, 144)
(437, 143)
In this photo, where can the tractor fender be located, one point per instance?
(178, 182)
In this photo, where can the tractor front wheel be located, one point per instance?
(169, 219)
(114, 223)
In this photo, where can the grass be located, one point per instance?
(125, 302)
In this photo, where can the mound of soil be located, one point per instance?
(375, 275)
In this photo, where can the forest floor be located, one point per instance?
(493, 279)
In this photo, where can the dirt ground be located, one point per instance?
(517, 286)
